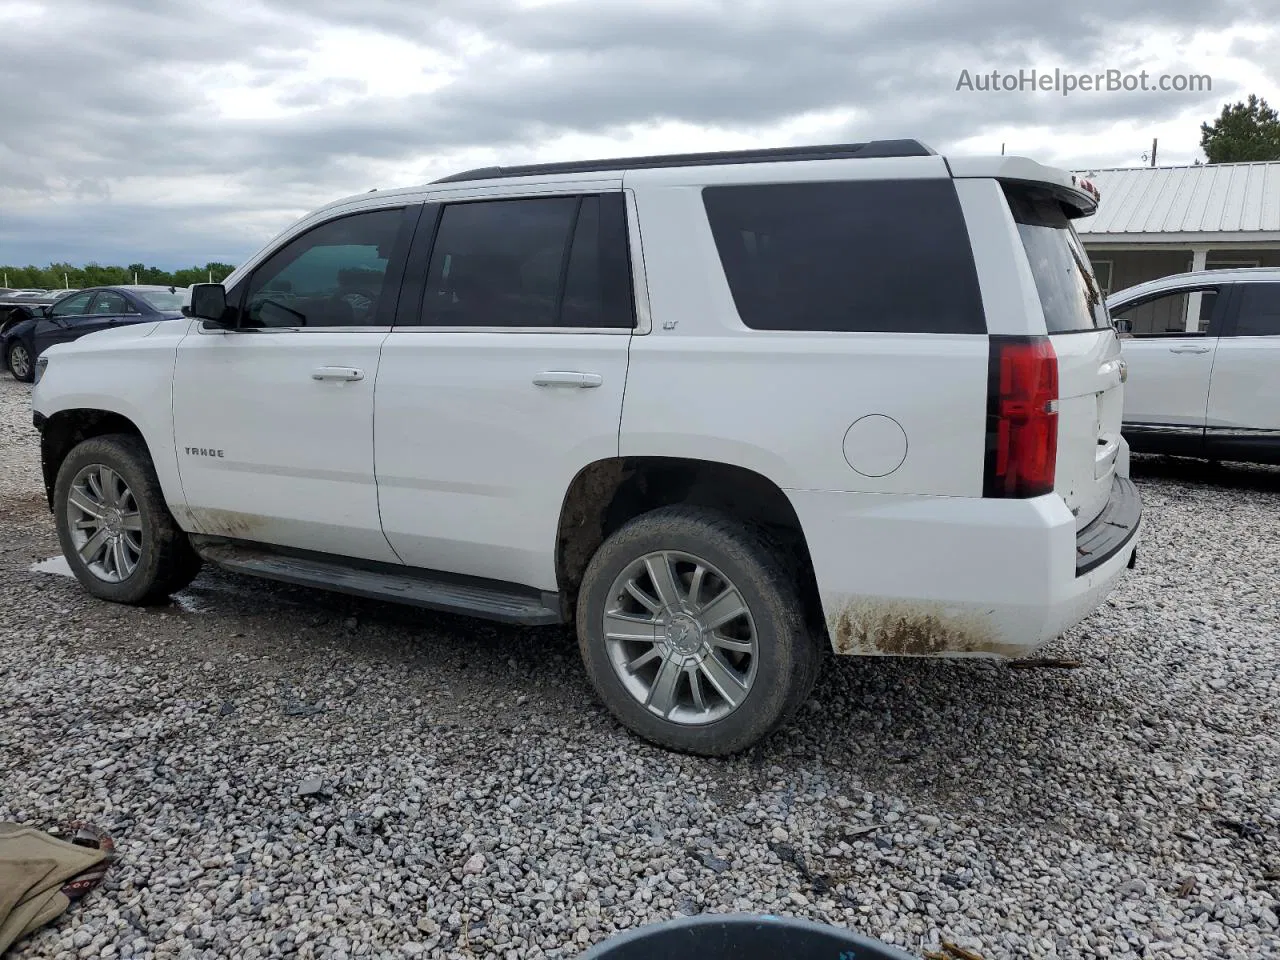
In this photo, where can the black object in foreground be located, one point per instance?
(742, 937)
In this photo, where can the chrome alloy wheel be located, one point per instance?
(680, 638)
(105, 523)
(19, 361)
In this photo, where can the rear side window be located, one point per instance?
(537, 262)
(866, 256)
(1070, 296)
(1259, 312)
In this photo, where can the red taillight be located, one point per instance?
(1022, 418)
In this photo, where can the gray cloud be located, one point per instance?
(119, 93)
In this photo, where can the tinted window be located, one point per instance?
(1259, 312)
(72, 306)
(328, 277)
(1070, 296)
(889, 255)
(597, 289)
(110, 302)
(544, 262)
(1166, 315)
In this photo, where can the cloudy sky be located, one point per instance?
(179, 131)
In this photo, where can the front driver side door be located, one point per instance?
(1170, 359)
(63, 319)
(273, 420)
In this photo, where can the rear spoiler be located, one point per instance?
(1078, 194)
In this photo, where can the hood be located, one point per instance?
(21, 328)
(132, 331)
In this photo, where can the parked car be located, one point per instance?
(11, 314)
(1203, 351)
(872, 404)
(84, 312)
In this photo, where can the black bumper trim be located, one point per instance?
(1109, 532)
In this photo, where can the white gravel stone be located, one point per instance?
(1127, 808)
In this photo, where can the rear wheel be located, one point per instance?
(694, 633)
(114, 526)
(19, 362)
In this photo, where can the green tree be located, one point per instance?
(1244, 132)
(95, 275)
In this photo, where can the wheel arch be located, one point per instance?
(607, 493)
(61, 432)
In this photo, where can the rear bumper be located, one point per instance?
(954, 576)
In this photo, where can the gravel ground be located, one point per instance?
(293, 773)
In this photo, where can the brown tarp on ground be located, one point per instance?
(34, 867)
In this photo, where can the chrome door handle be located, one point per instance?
(337, 373)
(567, 378)
(1189, 349)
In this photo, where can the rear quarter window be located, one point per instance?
(865, 256)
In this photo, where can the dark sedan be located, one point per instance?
(84, 312)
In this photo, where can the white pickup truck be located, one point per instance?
(722, 412)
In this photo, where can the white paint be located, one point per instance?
(1199, 259)
(57, 565)
(473, 458)
(875, 445)
(296, 452)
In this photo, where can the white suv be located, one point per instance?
(723, 412)
(1204, 351)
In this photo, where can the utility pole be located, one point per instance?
(1002, 149)
(1154, 141)
(65, 282)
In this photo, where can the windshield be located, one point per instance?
(163, 300)
(1069, 294)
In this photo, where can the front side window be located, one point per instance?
(1259, 312)
(1166, 315)
(1071, 298)
(73, 306)
(330, 276)
(889, 256)
(531, 262)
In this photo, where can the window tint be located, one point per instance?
(888, 256)
(597, 289)
(544, 262)
(111, 303)
(328, 277)
(72, 306)
(1166, 315)
(1070, 296)
(1259, 312)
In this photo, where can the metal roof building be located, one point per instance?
(1155, 221)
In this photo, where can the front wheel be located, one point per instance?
(114, 526)
(19, 362)
(693, 631)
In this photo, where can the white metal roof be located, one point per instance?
(1223, 201)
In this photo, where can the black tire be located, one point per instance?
(789, 652)
(167, 562)
(12, 361)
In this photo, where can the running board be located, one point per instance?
(486, 599)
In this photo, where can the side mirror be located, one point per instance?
(208, 303)
(1123, 327)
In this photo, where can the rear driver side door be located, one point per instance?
(1244, 397)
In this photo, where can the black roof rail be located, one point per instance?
(836, 151)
